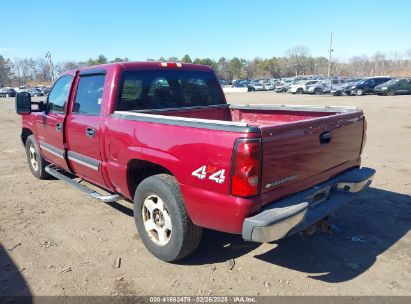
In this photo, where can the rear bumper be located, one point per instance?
(299, 211)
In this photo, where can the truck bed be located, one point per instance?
(301, 145)
(253, 115)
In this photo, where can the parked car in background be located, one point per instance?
(276, 83)
(315, 88)
(268, 86)
(36, 92)
(366, 86)
(46, 90)
(255, 86)
(283, 86)
(223, 82)
(347, 82)
(239, 84)
(332, 86)
(394, 86)
(7, 92)
(301, 87)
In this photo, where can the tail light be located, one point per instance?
(246, 167)
(364, 136)
(171, 64)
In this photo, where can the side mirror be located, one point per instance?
(23, 103)
(25, 106)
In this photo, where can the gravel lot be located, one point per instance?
(57, 241)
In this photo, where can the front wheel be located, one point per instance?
(37, 163)
(162, 220)
(359, 92)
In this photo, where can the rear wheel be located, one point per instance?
(317, 91)
(162, 220)
(391, 92)
(299, 91)
(37, 163)
(359, 92)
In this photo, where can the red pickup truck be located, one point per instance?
(162, 135)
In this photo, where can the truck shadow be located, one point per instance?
(361, 231)
(12, 283)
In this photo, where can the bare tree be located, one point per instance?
(298, 56)
(5, 71)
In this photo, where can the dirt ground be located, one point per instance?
(57, 241)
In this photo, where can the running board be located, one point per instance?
(50, 169)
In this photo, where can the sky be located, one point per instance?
(79, 30)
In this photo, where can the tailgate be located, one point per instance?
(301, 154)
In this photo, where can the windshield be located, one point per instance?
(159, 89)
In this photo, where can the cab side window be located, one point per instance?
(89, 95)
(59, 94)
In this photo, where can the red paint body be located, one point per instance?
(290, 147)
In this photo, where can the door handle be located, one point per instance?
(90, 132)
(59, 127)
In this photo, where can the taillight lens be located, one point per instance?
(246, 167)
(171, 64)
(364, 136)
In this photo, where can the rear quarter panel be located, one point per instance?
(181, 150)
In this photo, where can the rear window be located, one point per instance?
(160, 89)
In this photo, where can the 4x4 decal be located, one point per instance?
(217, 177)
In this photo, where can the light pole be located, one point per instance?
(48, 56)
(330, 51)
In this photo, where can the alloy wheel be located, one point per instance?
(157, 220)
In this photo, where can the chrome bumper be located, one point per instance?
(299, 211)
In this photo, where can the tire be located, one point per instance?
(317, 92)
(391, 92)
(299, 91)
(359, 92)
(162, 220)
(37, 163)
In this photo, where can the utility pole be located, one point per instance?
(330, 51)
(48, 56)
